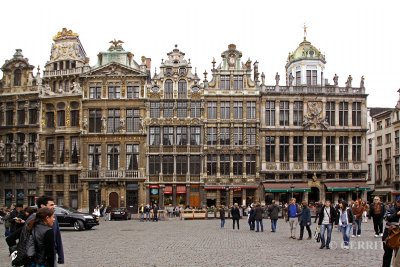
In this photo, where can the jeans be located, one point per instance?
(237, 222)
(222, 223)
(252, 224)
(378, 224)
(327, 227)
(302, 230)
(147, 216)
(258, 223)
(293, 221)
(273, 224)
(346, 229)
(141, 216)
(357, 226)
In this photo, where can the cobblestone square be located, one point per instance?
(203, 243)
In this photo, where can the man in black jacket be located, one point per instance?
(392, 217)
(326, 219)
(377, 211)
(235, 215)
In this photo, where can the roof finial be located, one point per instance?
(305, 31)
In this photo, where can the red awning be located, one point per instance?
(168, 189)
(154, 186)
(220, 187)
(181, 189)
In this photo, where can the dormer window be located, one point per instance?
(311, 77)
(238, 82)
(168, 89)
(225, 82)
(168, 71)
(17, 77)
(182, 71)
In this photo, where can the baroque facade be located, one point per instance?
(114, 134)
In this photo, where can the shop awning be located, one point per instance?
(347, 186)
(381, 191)
(286, 187)
(168, 189)
(221, 187)
(181, 189)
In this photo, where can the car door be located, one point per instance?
(61, 216)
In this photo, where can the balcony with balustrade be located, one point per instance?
(120, 174)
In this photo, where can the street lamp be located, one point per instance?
(357, 187)
(291, 187)
(96, 190)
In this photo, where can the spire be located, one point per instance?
(305, 31)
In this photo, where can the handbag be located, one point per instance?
(317, 234)
(393, 239)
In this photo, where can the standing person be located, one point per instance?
(155, 213)
(345, 219)
(107, 213)
(326, 218)
(12, 239)
(392, 217)
(48, 202)
(41, 228)
(273, 211)
(318, 207)
(305, 220)
(252, 219)
(15, 219)
(357, 210)
(222, 215)
(365, 206)
(377, 211)
(147, 212)
(141, 212)
(291, 217)
(259, 217)
(235, 215)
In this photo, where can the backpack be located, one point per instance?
(25, 249)
(393, 239)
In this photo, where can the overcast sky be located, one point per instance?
(357, 37)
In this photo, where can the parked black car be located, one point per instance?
(68, 217)
(120, 213)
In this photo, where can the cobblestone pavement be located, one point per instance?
(203, 243)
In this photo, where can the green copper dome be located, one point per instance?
(305, 51)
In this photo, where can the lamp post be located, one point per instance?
(291, 188)
(96, 190)
(227, 196)
(357, 187)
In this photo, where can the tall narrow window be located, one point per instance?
(224, 164)
(251, 164)
(95, 92)
(238, 82)
(251, 136)
(343, 148)
(212, 110)
(61, 118)
(155, 136)
(168, 109)
(212, 136)
(75, 149)
(114, 91)
(311, 77)
(181, 165)
(284, 148)
(330, 112)
(113, 120)
(32, 138)
(168, 165)
(50, 150)
(195, 135)
(297, 148)
(60, 150)
(237, 164)
(284, 113)
(94, 157)
(314, 149)
(112, 157)
(225, 82)
(195, 109)
(356, 113)
(211, 165)
(181, 136)
(21, 113)
(356, 148)
(343, 114)
(132, 157)
(94, 120)
(330, 148)
(50, 119)
(270, 148)
(270, 113)
(195, 165)
(238, 136)
(298, 78)
(251, 110)
(132, 91)
(154, 110)
(168, 89)
(33, 112)
(168, 136)
(10, 113)
(74, 118)
(182, 89)
(298, 113)
(237, 110)
(182, 110)
(224, 136)
(132, 120)
(154, 165)
(225, 110)
(20, 142)
(17, 77)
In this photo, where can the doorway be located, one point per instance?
(313, 196)
(113, 200)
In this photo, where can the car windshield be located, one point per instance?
(65, 209)
(118, 209)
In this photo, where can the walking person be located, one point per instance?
(107, 213)
(305, 220)
(392, 217)
(345, 220)
(377, 211)
(222, 215)
(326, 218)
(43, 235)
(365, 206)
(292, 212)
(155, 213)
(273, 211)
(235, 215)
(259, 217)
(141, 212)
(357, 210)
(252, 217)
(147, 212)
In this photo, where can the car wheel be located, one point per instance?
(78, 225)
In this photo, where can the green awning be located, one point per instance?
(347, 186)
(286, 187)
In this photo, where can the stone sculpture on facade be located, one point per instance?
(314, 116)
(348, 82)
(2, 148)
(84, 124)
(291, 78)
(47, 90)
(122, 125)
(104, 124)
(13, 150)
(362, 82)
(76, 88)
(335, 80)
(36, 150)
(277, 78)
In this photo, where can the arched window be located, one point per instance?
(182, 89)
(17, 77)
(168, 89)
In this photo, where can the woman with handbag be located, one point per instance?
(346, 219)
(43, 235)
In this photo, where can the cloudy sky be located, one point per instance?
(357, 37)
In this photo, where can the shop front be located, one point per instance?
(229, 195)
(181, 195)
(347, 190)
(383, 193)
(154, 194)
(283, 192)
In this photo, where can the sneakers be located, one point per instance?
(376, 235)
(381, 234)
(358, 235)
(353, 236)
(346, 247)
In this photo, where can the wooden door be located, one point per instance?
(113, 200)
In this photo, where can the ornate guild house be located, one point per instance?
(115, 134)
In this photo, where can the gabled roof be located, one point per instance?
(373, 112)
(114, 69)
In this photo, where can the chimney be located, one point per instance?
(148, 63)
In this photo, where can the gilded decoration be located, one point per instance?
(64, 34)
(314, 118)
